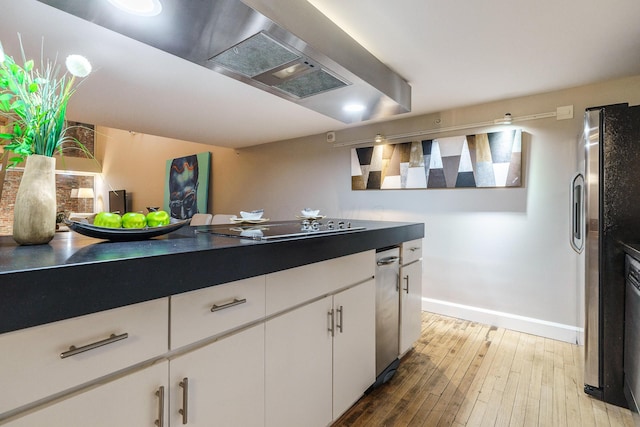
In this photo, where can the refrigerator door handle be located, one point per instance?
(577, 213)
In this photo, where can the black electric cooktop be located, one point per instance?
(279, 230)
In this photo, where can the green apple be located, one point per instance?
(134, 220)
(158, 218)
(108, 219)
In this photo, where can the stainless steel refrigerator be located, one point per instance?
(606, 212)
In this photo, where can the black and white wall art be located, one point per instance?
(484, 160)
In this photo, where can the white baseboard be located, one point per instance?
(529, 325)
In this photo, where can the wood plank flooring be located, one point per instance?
(462, 373)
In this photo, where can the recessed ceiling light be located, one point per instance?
(354, 108)
(139, 7)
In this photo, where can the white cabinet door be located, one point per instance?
(410, 305)
(354, 347)
(225, 382)
(127, 401)
(298, 367)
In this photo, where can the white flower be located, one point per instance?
(78, 65)
(1, 53)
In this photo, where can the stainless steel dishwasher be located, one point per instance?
(632, 336)
(387, 313)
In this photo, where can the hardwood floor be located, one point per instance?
(462, 373)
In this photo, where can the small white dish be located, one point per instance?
(253, 215)
(310, 213)
(237, 220)
(311, 217)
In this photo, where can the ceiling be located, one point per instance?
(453, 53)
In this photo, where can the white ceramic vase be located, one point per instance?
(34, 213)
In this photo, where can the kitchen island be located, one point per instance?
(75, 275)
(277, 332)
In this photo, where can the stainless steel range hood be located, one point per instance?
(287, 48)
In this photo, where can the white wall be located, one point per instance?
(499, 256)
(493, 255)
(136, 163)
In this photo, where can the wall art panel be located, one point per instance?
(473, 161)
(187, 185)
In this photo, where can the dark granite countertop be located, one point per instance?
(75, 275)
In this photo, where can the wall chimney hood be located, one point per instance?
(287, 48)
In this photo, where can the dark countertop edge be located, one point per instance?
(39, 296)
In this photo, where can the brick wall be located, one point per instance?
(82, 132)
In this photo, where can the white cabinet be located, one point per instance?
(410, 305)
(411, 251)
(298, 367)
(354, 361)
(292, 348)
(133, 400)
(37, 362)
(320, 358)
(288, 288)
(410, 294)
(211, 311)
(221, 384)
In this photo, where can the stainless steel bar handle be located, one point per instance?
(633, 279)
(388, 260)
(577, 219)
(331, 324)
(406, 279)
(633, 276)
(230, 304)
(185, 400)
(160, 393)
(634, 283)
(73, 350)
(339, 325)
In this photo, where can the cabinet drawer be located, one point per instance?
(291, 287)
(234, 304)
(411, 251)
(32, 367)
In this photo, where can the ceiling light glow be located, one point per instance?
(138, 7)
(354, 108)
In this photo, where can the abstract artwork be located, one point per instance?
(472, 161)
(187, 185)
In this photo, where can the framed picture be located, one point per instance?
(187, 185)
(485, 160)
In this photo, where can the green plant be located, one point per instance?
(35, 101)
